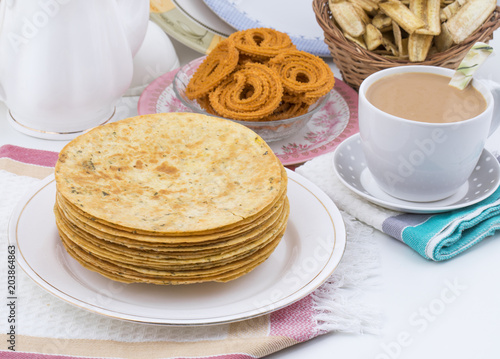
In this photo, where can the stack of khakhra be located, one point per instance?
(170, 199)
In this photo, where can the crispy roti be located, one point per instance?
(125, 246)
(172, 260)
(170, 199)
(142, 238)
(169, 173)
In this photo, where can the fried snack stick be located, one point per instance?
(451, 9)
(402, 15)
(469, 18)
(369, 6)
(372, 37)
(347, 17)
(250, 93)
(429, 11)
(419, 46)
(444, 40)
(218, 64)
(303, 74)
(420, 41)
(382, 22)
(261, 42)
(398, 37)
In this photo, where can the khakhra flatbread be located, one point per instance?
(172, 198)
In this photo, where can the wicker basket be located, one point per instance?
(356, 63)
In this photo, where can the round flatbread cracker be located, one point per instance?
(169, 173)
(170, 199)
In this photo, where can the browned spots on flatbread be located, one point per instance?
(204, 199)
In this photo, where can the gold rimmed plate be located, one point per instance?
(310, 251)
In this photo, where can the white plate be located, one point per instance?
(350, 166)
(184, 27)
(199, 12)
(309, 252)
(296, 18)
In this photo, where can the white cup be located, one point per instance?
(420, 161)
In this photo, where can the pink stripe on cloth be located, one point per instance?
(295, 321)
(24, 355)
(29, 155)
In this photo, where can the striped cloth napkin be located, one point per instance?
(49, 328)
(435, 237)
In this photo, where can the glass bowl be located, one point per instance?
(269, 130)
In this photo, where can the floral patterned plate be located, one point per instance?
(335, 122)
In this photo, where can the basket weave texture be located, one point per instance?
(356, 63)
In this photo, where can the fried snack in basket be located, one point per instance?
(348, 18)
(173, 198)
(252, 92)
(262, 42)
(222, 60)
(303, 74)
(468, 18)
(412, 29)
(402, 15)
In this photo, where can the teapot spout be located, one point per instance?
(134, 15)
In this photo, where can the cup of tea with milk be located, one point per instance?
(421, 137)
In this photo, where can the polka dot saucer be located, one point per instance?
(350, 167)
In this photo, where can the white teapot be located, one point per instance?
(65, 63)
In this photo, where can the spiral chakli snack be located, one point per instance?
(287, 110)
(204, 102)
(252, 92)
(303, 74)
(221, 61)
(261, 42)
(255, 69)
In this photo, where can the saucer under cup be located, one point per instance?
(350, 167)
